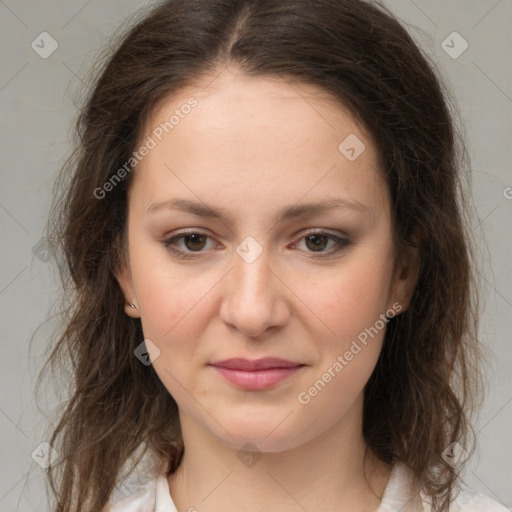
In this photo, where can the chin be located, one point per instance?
(261, 443)
(266, 434)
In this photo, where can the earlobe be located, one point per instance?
(124, 279)
(131, 310)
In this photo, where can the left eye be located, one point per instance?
(195, 242)
(318, 241)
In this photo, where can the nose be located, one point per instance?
(254, 297)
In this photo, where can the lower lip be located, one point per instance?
(259, 379)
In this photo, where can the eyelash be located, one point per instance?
(341, 242)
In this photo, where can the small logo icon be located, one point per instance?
(454, 45)
(351, 147)
(249, 249)
(44, 455)
(44, 45)
(147, 352)
(249, 455)
(454, 454)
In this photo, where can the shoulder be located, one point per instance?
(141, 501)
(470, 501)
(154, 496)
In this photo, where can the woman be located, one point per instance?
(263, 225)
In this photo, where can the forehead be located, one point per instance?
(258, 136)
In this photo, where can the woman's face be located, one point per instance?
(259, 227)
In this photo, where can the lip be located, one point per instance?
(255, 364)
(256, 374)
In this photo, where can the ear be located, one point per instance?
(408, 271)
(124, 278)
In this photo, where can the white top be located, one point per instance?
(155, 497)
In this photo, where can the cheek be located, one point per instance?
(171, 305)
(349, 332)
(173, 311)
(175, 314)
(344, 302)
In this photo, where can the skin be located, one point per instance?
(254, 146)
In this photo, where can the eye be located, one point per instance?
(317, 242)
(193, 242)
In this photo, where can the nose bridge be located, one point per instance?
(253, 300)
(252, 278)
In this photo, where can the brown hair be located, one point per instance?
(427, 380)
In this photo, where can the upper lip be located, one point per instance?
(255, 364)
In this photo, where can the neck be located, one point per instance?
(335, 471)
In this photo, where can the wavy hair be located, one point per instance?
(426, 383)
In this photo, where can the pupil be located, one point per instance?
(316, 244)
(194, 239)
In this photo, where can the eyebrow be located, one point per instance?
(286, 213)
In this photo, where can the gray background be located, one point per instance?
(37, 100)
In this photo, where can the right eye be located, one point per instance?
(192, 242)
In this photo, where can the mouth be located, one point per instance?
(256, 374)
